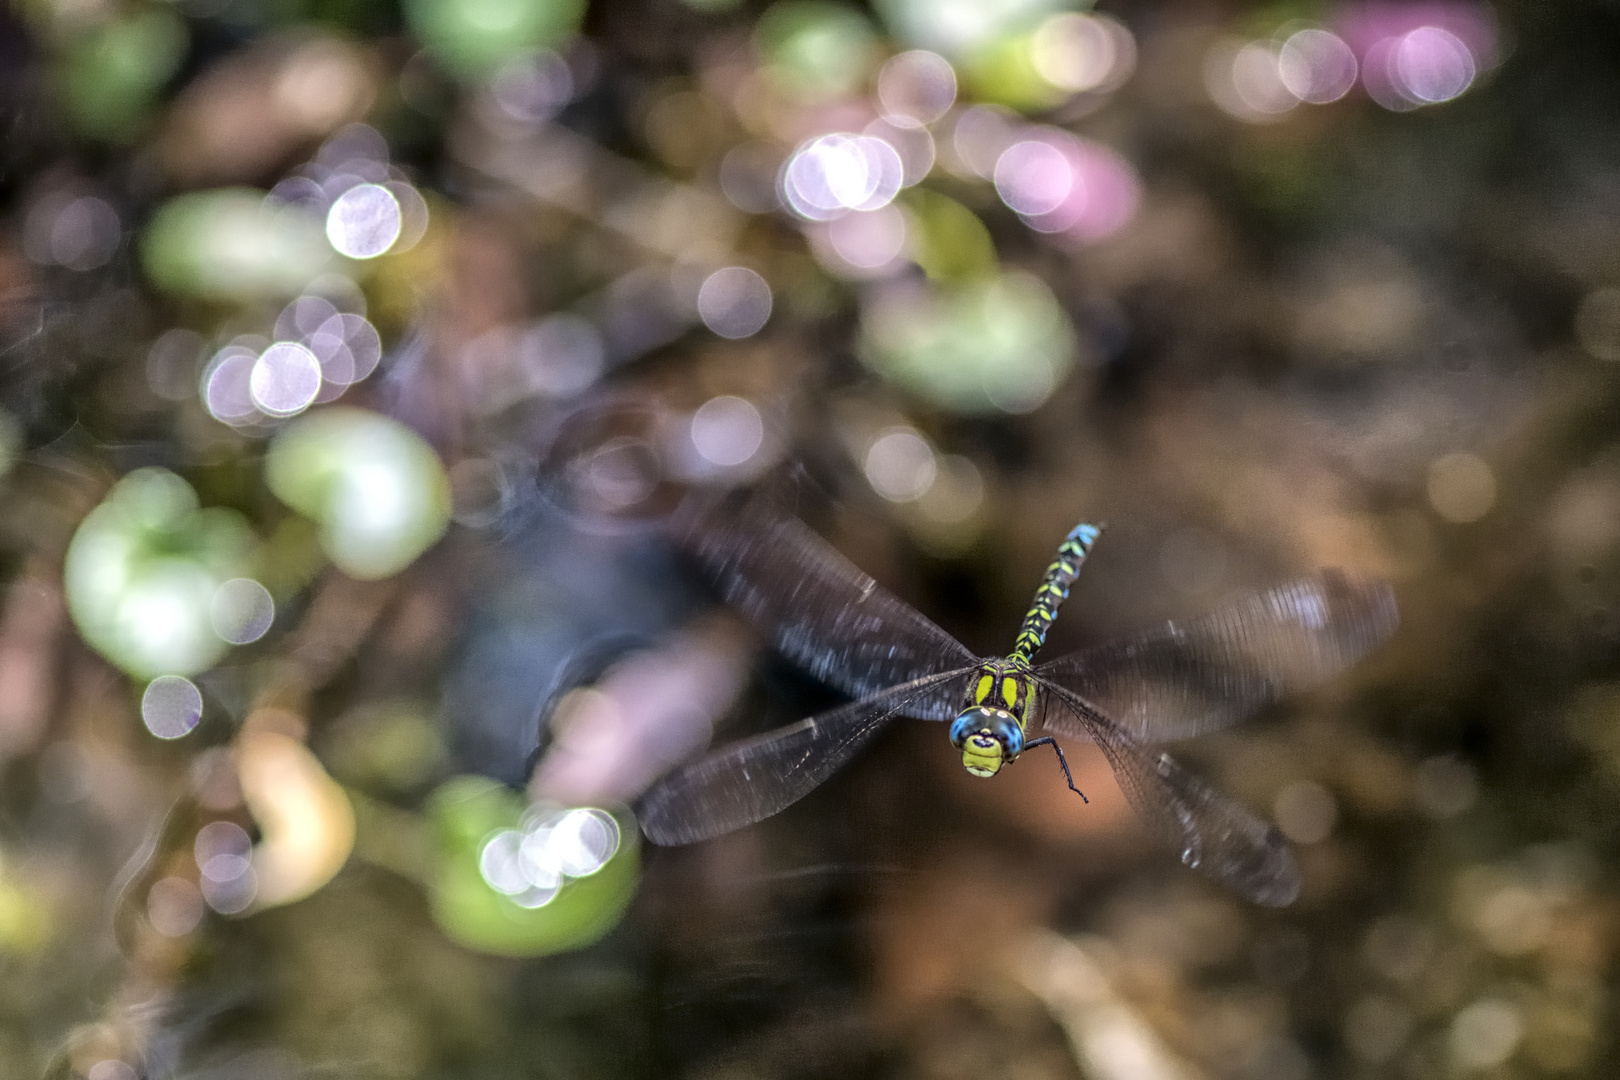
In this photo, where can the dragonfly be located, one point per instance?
(1176, 680)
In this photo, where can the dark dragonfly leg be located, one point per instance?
(1054, 590)
(1047, 740)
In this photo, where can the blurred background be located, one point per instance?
(356, 356)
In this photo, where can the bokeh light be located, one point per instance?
(1079, 53)
(1485, 1034)
(1059, 183)
(579, 842)
(79, 233)
(913, 145)
(1404, 55)
(1430, 65)
(1316, 66)
(532, 89)
(748, 177)
(347, 348)
(223, 853)
(734, 302)
(501, 863)
(565, 354)
(957, 494)
(727, 430)
(916, 88)
(227, 384)
(526, 880)
(900, 465)
(1462, 487)
(1246, 80)
(867, 244)
(1422, 53)
(1306, 812)
(980, 135)
(174, 906)
(284, 379)
(242, 611)
(834, 174)
(364, 221)
(173, 362)
(1033, 177)
(171, 706)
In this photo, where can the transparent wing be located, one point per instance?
(750, 780)
(1209, 831)
(1188, 677)
(817, 608)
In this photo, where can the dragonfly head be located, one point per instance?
(988, 739)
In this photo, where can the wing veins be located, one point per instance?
(1187, 677)
(815, 606)
(1210, 831)
(747, 781)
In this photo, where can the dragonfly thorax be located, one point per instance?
(990, 728)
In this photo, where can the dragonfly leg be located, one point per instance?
(1067, 775)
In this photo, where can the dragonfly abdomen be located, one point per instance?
(1054, 590)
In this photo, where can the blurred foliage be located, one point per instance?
(332, 585)
(227, 245)
(376, 490)
(143, 568)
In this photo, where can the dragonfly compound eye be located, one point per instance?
(1006, 731)
(972, 720)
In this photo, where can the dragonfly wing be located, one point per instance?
(750, 780)
(1190, 676)
(1211, 833)
(817, 608)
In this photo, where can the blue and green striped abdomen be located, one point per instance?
(1054, 590)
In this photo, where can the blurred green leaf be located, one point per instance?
(392, 746)
(1004, 73)
(471, 38)
(466, 811)
(816, 48)
(227, 244)
(997, 344)
(111, 75)
(961, 28)
(142, 570)
(377, 491)
(948, 240)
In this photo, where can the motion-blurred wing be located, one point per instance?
(1209, 831)
(1188, 677)
(749, 781)
(817, 608)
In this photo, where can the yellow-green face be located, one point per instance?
(982, 755)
